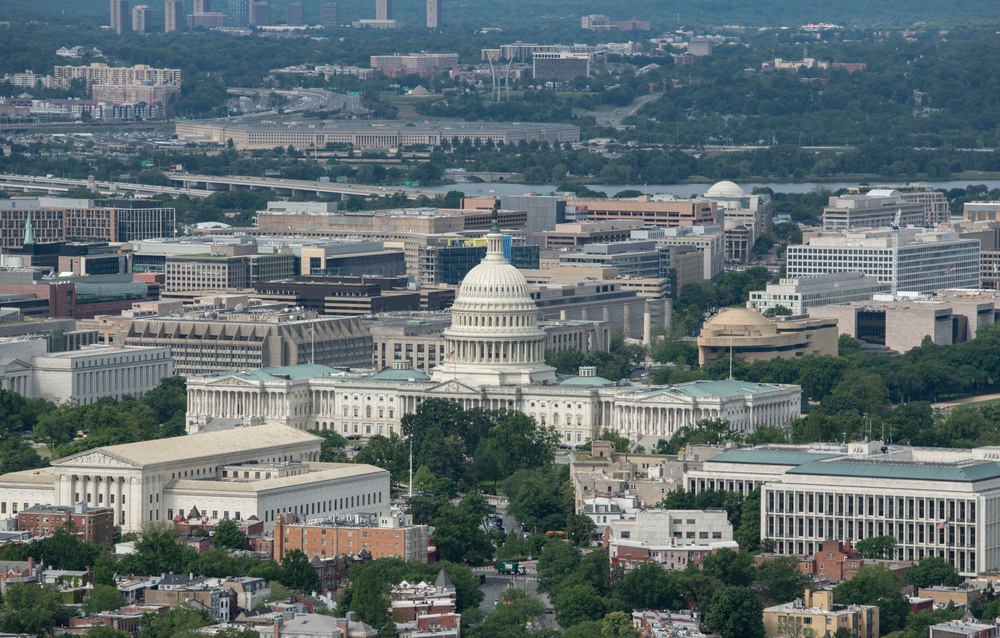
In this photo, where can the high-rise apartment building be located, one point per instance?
(202, 6)
(119, 16)
(173, 19)
(260, 14)
(383, 9)
(141, 18)
(295, 14)
(433, 14)
(329, 14)
(238, 13)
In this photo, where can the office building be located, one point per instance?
(100, 73)
(295, 14)
(173, 19)
(383, 9)
(362, 135)
(119, 16)
(329, 14)
(796, 295)
(57, 219)
(422, 64)
(209, 20)
(225, 272)
(391, 536)
(749, 335)
(708, 241)
(202, 6)
(560, 67)
(671, 538)
(433, 14)
(355, 296)
(141, 17)
(206, 345)
(90, 525)
(260, 14)
(154, 480)
(238, 13)
(543, 212)
(817, 612)
(638, 258)
(934, 202)
(496, 349)
(910, 259)
(660, 211)
(87, 375)
(933, 501)
(577, 234)
(879, 208)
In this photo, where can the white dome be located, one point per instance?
(494, 337)
(725, 189)
(494, 278)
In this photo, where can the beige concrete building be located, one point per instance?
(361, 134)
(815, 614)
(879, 208)
(233, 341)
(668, 212)
(934, 202)
(575, 234)
(801, 293)
(751, 336)
(901, 324)
(746, 218)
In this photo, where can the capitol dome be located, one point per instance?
(494, 338)
(725, 189)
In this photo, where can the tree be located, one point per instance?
(369, 596)
(882, 547)
(103, 631)
(577, 603)
(735, 569)
(518, 442)
(32, 610)
(103, 598)
(932, 571)
(876, 585)
(736, 612)
(176, 621)
(298, 573)
(618, 624)
(459, 533)
(228, 535)
(781, 579)
(331, 449)
(648, 586)
(747, 535)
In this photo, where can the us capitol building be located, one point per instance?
(495, 360)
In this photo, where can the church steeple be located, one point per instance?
(29, 231)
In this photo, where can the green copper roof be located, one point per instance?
(722, 388)
(587, 381)
(302, 371)
(770, 457)
(409, 374)
(914, 471)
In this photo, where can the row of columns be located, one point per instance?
(492, 352)
(235, 404)
(663, 421)
(99, 491)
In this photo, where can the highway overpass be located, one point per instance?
(205, 185)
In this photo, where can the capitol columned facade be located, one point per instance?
(495, 360)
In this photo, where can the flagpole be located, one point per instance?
(312, 347)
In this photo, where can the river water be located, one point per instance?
(683, 190)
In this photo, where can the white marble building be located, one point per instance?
(494, 360)
(158, 480)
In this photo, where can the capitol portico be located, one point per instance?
(495, 359)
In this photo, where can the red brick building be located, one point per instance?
(90, 525)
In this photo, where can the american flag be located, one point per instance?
(450, 355)
(944, 525)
